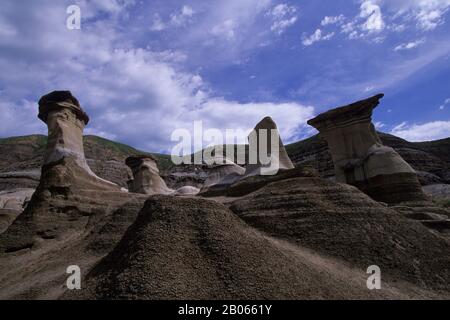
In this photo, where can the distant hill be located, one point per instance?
(21, 159)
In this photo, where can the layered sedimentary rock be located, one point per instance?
(191, 248)
(269, 161)
(361, 159)
(146, 178)
(221, 175)
(12, 203)
(339, 220)
(219, 171)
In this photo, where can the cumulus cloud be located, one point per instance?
(283, 16)
(427, 15)
(409, 45)
(315, 37)
(422, 132)
(369, 22)
(372, 13)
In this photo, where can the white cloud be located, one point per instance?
(409, 45)
(369, 22)
(423, 132)
(446, 102)
(372, 13)
(242, 23)
(187, 11)
(176, 19)
(226, 29)
(180, 19)
(348, 27)
(157, 23)
(431, 14)
(426, 14)
(315, 37)
(283, 16)
(379, 125)
(328, 20)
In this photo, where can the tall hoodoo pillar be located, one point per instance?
(266, 130)
(66, 120)
(360, 158)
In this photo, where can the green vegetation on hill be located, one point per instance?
(38, 141)
(32, 147)
(116, 147)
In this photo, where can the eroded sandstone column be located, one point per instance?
(147, 179)
(279, 158)
(65, 120)
(146, 176)
(361, 159)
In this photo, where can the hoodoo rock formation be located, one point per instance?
(147, 179)
(66, 120)
(360, 158)
(64, 193)
(266, 130)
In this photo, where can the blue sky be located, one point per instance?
(142, 69)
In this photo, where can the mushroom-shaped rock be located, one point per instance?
(66, 120)
(266, 150)
(359, 157)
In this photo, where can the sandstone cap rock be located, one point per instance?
(350, 113)
(57, 100)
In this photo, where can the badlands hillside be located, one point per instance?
(141, 228)
(21, 159)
